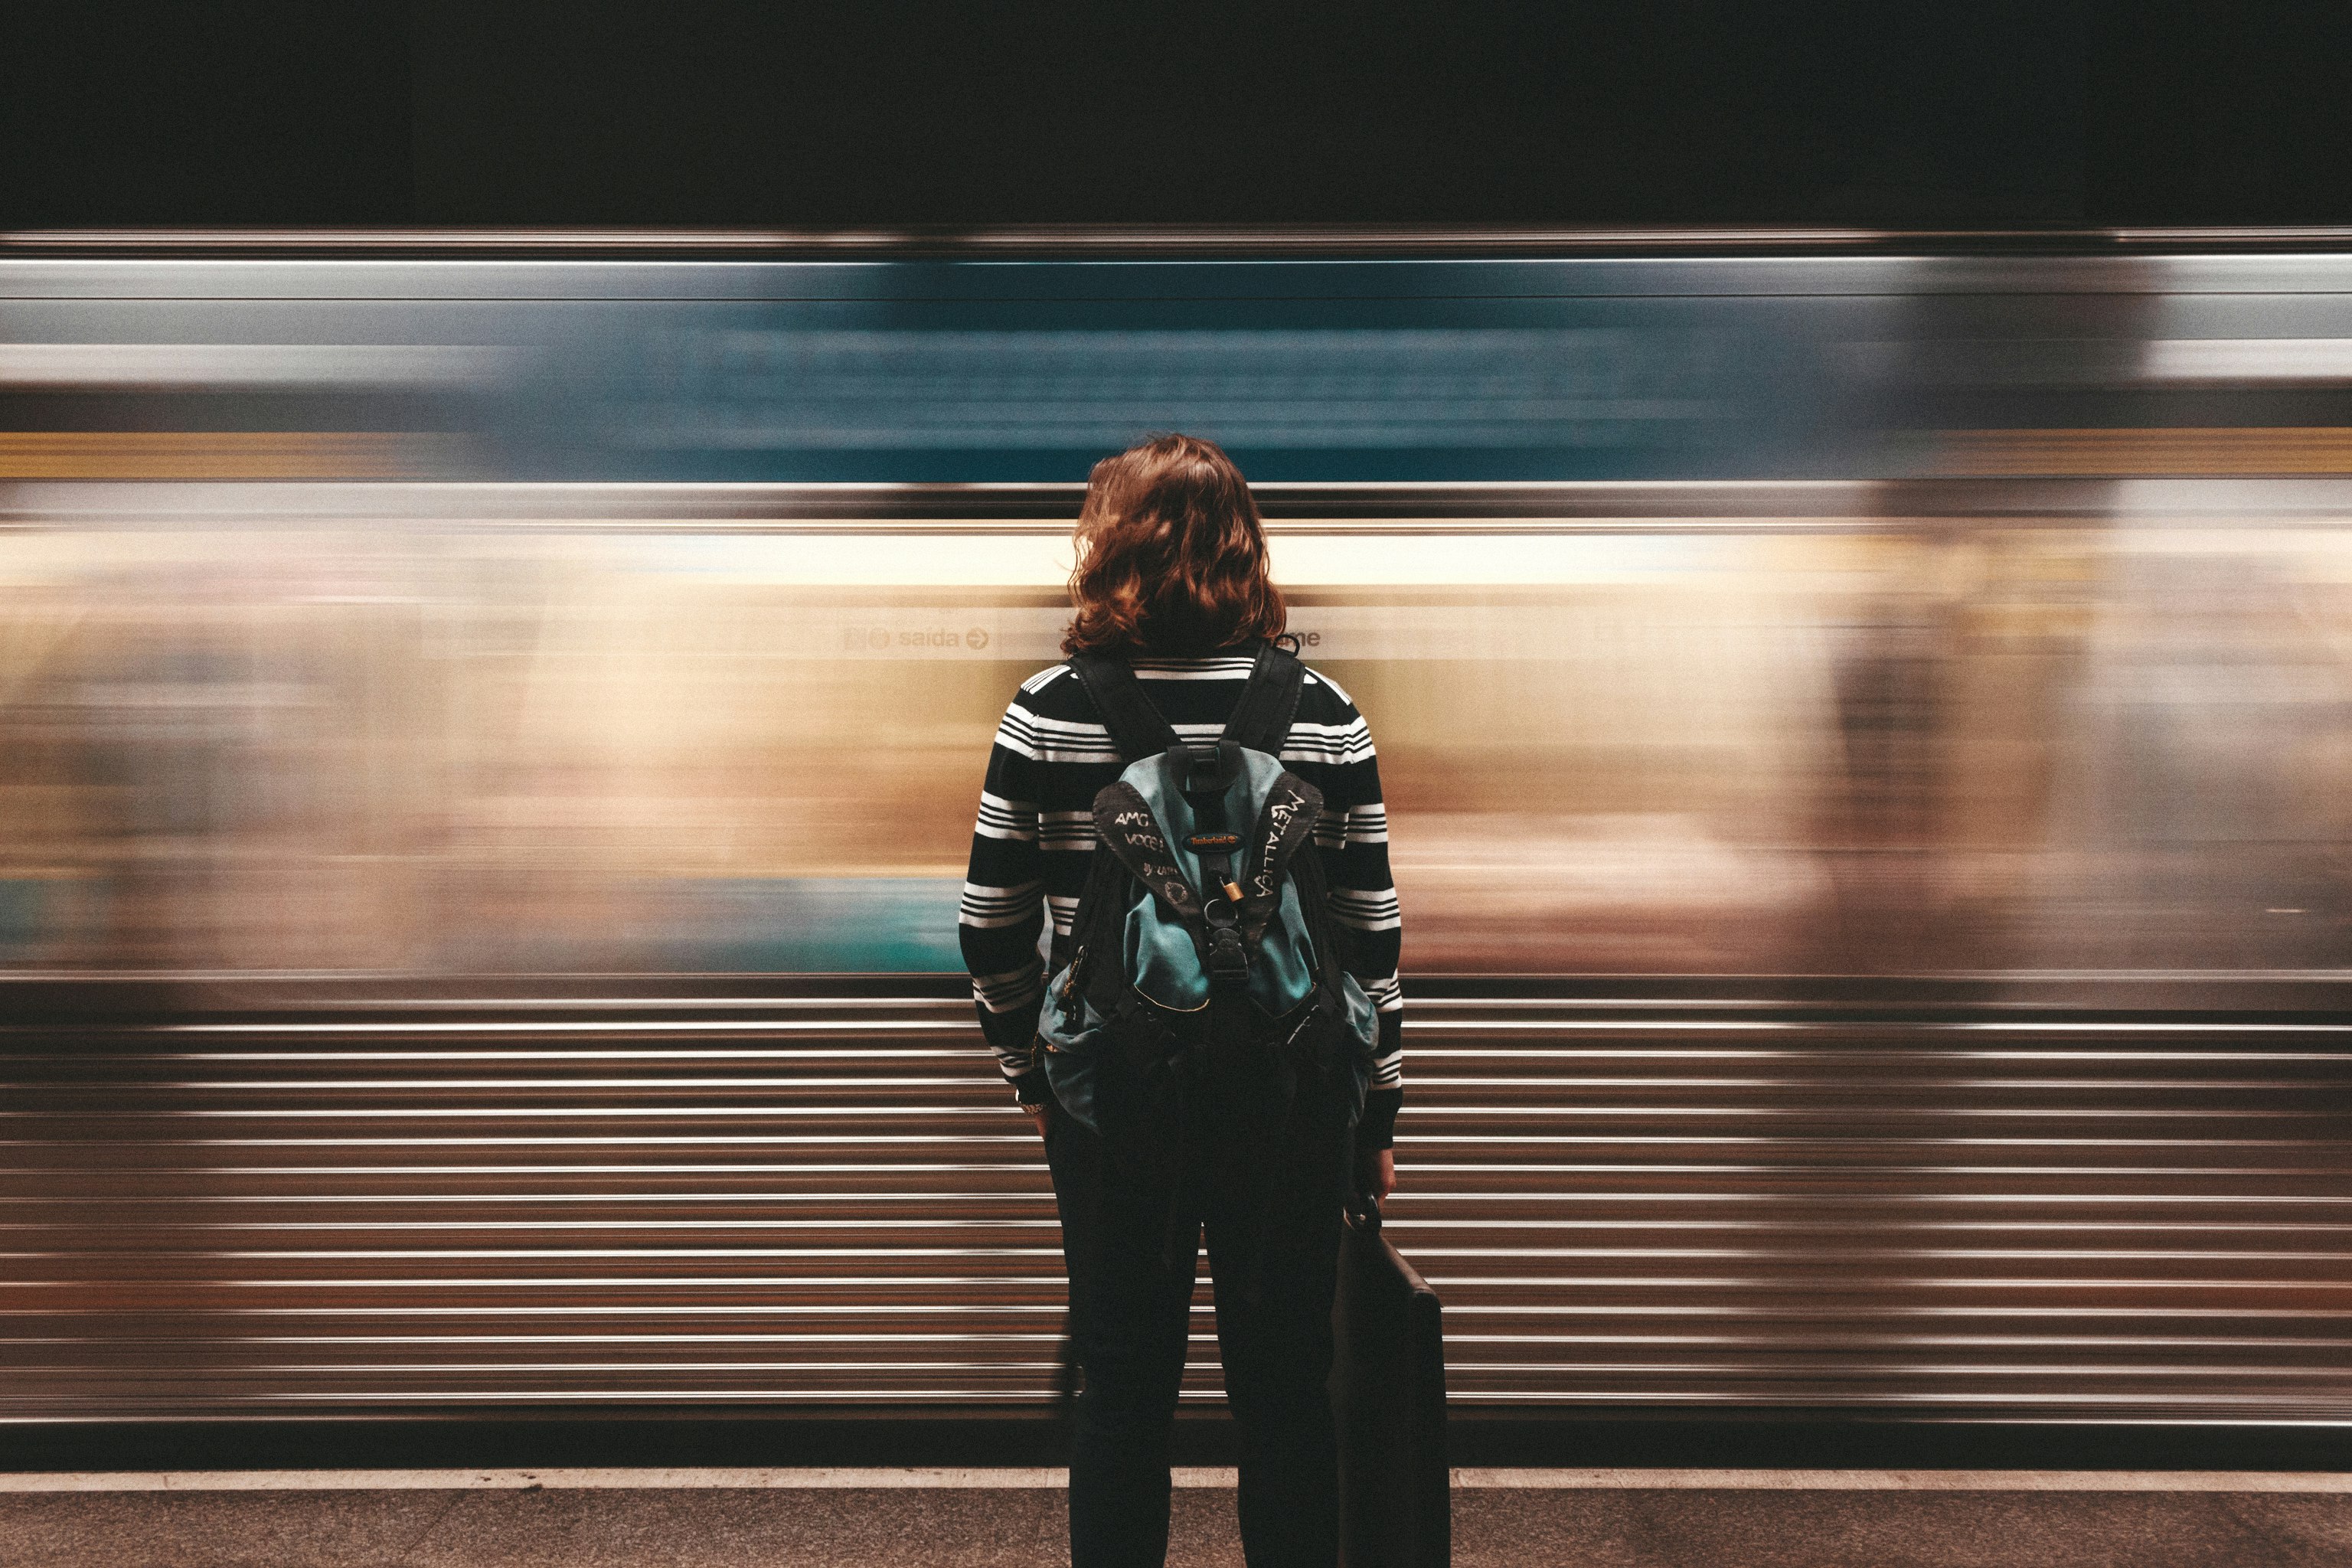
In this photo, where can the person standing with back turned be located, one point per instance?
(1159, 1126)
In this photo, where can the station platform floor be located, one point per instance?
(1003, 1517)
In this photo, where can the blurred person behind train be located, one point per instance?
(1172, 582)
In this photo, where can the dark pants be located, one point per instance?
(1272, 1214)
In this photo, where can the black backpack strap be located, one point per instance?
(1268, 702)
(1135, 725)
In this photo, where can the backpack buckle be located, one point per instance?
(1208, 768)
(1225, 955)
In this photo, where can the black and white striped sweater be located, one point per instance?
(1035, 838)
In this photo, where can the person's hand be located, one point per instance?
(1040, 1117)
(1376, 1173)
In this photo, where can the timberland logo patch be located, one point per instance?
(1200, 841)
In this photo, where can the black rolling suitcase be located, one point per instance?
(1388, 1390)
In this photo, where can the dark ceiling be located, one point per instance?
(1993, 114)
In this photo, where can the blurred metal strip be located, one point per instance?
(1153, 240)
(1847, 1288)
(1037, 508)
(218, 455)
(90, 497)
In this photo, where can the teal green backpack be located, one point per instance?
(1202, 976)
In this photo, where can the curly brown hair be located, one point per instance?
(1171, 555)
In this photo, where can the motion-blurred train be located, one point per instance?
(488, 732)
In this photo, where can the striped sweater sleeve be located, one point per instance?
(1004, 906)
(1352, 838)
